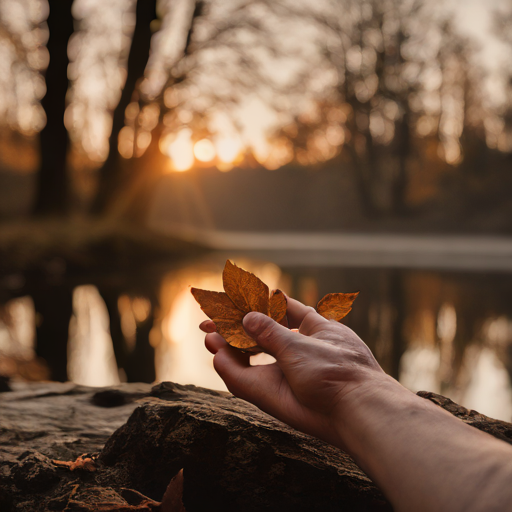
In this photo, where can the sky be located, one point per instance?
(474, 18)
(97, 91)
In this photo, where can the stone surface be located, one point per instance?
(497, 428)
(234, 457)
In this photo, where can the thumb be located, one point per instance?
(272, 337)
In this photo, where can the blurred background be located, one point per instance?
(326, 145)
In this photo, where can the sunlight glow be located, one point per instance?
(204, 150)
(180, 151)
(181, 356)
(91, 355)
(228, 149)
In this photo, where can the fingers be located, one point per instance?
(256, 384)
(296, 312)
(214, 342)
(304, 318)
(272, 337)
(312, 323)
(207, 326)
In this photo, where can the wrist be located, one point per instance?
(375, 403)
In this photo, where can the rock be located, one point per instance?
(60, 420)
(497, 428)
(34, 472)
(4, 384)
(234, 457)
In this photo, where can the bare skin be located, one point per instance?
(326, 383)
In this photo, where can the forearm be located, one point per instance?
(422, 457)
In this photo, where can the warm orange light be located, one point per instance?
(228, 149)
(180, 151)
(204, 150)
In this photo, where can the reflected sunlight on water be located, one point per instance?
(449, 343)
(91, 360)
(181, 356)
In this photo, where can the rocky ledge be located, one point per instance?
(72, 448)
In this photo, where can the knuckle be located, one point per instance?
(266, 333)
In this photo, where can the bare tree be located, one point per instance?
(395, 83)
(52, 195)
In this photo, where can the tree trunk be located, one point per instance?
(400, 181)
(140, 366)
(116, 333)
(111, 173)
(52, 182)
(54, 307)
(363, 185)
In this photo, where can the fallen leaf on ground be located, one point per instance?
(84, 462)
(244, 292)
(172, 500)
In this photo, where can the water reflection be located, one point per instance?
(449, 333)
(180, 355)
(91, 360)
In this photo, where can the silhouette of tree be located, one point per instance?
(52, 194)
(401, 74)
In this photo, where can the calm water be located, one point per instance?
(448, 332)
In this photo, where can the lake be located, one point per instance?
(446, 328)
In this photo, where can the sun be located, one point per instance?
(180, 151)
(204, 150)
(222, 152)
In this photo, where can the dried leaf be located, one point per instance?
(82, 462)
(217, 305)
(244, 292)
(234, 333)
(277, 307)
(173, 496)
(62, 463)
(248, 292)
(335, 306)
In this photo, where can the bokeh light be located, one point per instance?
(228, 149)
(204, 150)
(181, 151)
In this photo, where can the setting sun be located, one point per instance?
(204, 150)
(228, 149)
(180, 151)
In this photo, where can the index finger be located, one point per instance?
(296, 312)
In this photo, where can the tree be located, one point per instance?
(137, 61)
(118, 175)
(394, 84)
(52, 194)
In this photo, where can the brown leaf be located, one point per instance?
(217, 305)
(248, 292)
(173, 496)
(244, 292)
(335, 306)
(62, 463)
(228, 319)
(234, 333)
(277, 307)
(82, 462)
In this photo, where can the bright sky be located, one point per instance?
(474, 18)
(95, 89)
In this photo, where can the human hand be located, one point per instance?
(319, 373)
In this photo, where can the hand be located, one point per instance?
(318, 374)
(326, 383)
